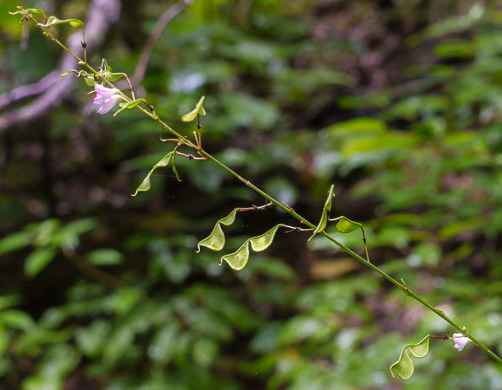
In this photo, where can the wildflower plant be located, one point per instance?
(107, 96)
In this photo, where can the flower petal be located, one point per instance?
(99, 99)
(460, 341)
(105, 92)
(107, 106)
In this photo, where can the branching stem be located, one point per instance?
(206, 156)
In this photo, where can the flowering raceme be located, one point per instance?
(460, 341)
(106, 96)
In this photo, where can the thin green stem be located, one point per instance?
(84, 44)
(284, 207)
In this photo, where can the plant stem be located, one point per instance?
(286, 208)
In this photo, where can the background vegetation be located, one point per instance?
(398, 103)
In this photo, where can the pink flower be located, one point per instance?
(460, 341)
(106, 96)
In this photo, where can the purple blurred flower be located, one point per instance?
(106, 96)
(460, 341)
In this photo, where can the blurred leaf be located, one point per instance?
(68, 235)
(164, 344)
(44, 231)
(92, 338)
(204, 352)
(306, 328)
(16, 319)
(59, 362)
(357, 127)
(454, 229)
(455, 48)
(388, 142)
(107, 256)
(118, 343)
(15, 241)
(245, 110)
(429, 254)
(38, 260)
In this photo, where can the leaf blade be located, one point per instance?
(404, 367)
(198, 110)
(420, 349)
(345, 225)
(262, 242)
(216, 240)
(146, 183)
(52, 21)
(28, 11)
(239, 258)
(38, 260)
(324, 216)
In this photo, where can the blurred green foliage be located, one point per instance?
(396, 103)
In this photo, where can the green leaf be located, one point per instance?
(198, 110)
(52, 21)
(28, 11)
(118, 343)
(8, 301)
(38, 260)
(420, 349)
(358, 127)
(80, 226)
(107, 68)
(105, 257)
(239, 258)
(146, 184)
(91, 339)
(68, 72)
(175, 171)
(112, 77)
(404, 367)
(205, 352)
(260, 243)
(216, 240)
(129, 105)
(15, 241)
(16, 319)
(346, 225)
(90, 81)
(324, 217)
